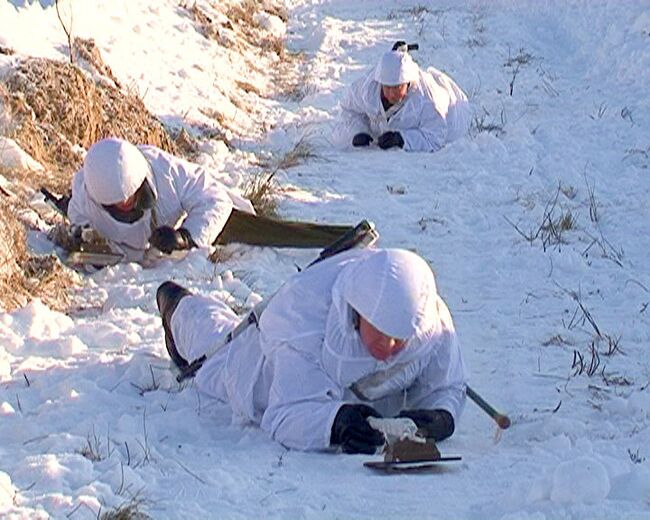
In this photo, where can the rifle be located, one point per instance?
(81, 246)
(363, 234)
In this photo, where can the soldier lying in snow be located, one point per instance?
(398, 105)
(361, 334)
(134, 196)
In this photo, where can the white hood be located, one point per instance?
(396, 68)
(114, 169)
(394, 290)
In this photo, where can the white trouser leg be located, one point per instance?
(198, 323)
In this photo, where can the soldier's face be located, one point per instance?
(126, 205)
(379, 345)
(394, 94)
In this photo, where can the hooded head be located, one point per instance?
(114, 170)
(396, 68)
(395, 291)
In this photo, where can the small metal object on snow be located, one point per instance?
(408, 455)
(405, 449)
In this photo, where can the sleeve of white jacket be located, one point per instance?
(430, 136)
(442, 383)
(205, 201)
(354, 119)
(303, 402)
(77, 214)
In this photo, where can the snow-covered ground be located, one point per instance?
(91, 415)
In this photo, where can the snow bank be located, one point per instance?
(13, 157)
(583, 479)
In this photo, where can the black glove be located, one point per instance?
(352, 431)
(434, 424)
(168, 239)
(390, 139)
(361, 139)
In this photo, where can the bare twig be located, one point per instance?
(551, 230)
(155, 385)
(600, 111)
(635, 457)
(514, 63)
(190, 472)
(593, 207)
(67, 29)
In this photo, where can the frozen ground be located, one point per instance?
(92, 416)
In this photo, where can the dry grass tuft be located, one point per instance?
(23, 276)
(55, 108)
(88, 56)
(291, 79)
(242, 13)
(128, 511)
(204, 22)
(242, 20)
(262, 190)
(300, 152)
(248, 88)
(236, 27)
(186, 144)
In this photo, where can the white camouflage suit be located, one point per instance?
(114, 169)
(435, 111)
(293, 373)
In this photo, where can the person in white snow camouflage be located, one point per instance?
(398, 105)
(360, 334)
(134, 197)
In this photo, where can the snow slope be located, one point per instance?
(91, 415)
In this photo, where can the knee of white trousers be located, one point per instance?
(198, 323)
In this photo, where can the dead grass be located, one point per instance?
(556, 221)
(23, 276)
(248, 87)
(242, 13)
(301, 151)
(186, 144)
(235, 27)
(55, 108)
(204, 23)
(291, 79)
(128, 511)
(262, 190)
